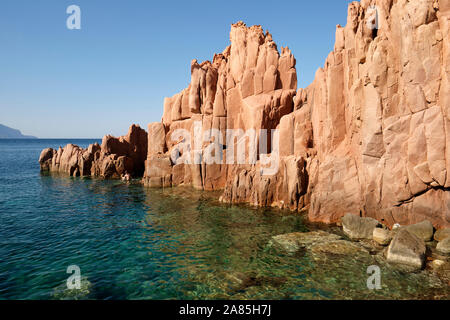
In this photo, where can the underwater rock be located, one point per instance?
(356, 227)
(406, 249)
(63, 293)
(293, 242)
(442, 234)
(338, 247)
(239, 281)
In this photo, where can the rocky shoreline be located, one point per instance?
(108, 160)
(370, 136)
(412, 248)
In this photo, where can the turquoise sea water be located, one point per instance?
(131, 242)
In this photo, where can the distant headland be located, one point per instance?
(10, 133)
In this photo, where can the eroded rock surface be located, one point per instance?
(108, 160)
(369, 136)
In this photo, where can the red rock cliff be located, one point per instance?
(108, 160)
(370, 135)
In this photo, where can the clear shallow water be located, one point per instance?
(131, 242)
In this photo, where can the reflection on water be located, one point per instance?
(131, 242)
(137, 243)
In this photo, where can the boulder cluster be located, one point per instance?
(408, 248)
(370, 135)
(405, 245)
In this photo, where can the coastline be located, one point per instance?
(366, 145)
(134, 242)
(351, 142)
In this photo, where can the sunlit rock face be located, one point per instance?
(380, 116)
(249, 86)
(370, 136)
(111, 159)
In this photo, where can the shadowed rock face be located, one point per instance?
(370, 136)
(110, 160)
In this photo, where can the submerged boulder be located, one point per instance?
(356, 227)
(424, 230)
(338, 247)
(319, 245)
(63, 293)
(407, 249)
(293, 242)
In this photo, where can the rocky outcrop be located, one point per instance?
(108, 160)
(249, 86)
(370, 135)
(379, 106)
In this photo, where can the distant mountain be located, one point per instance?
(10, 133)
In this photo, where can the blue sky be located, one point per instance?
(129, 55)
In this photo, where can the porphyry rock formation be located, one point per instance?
(381, 116)
(370, 136)
(108, 160)
(249, 86)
